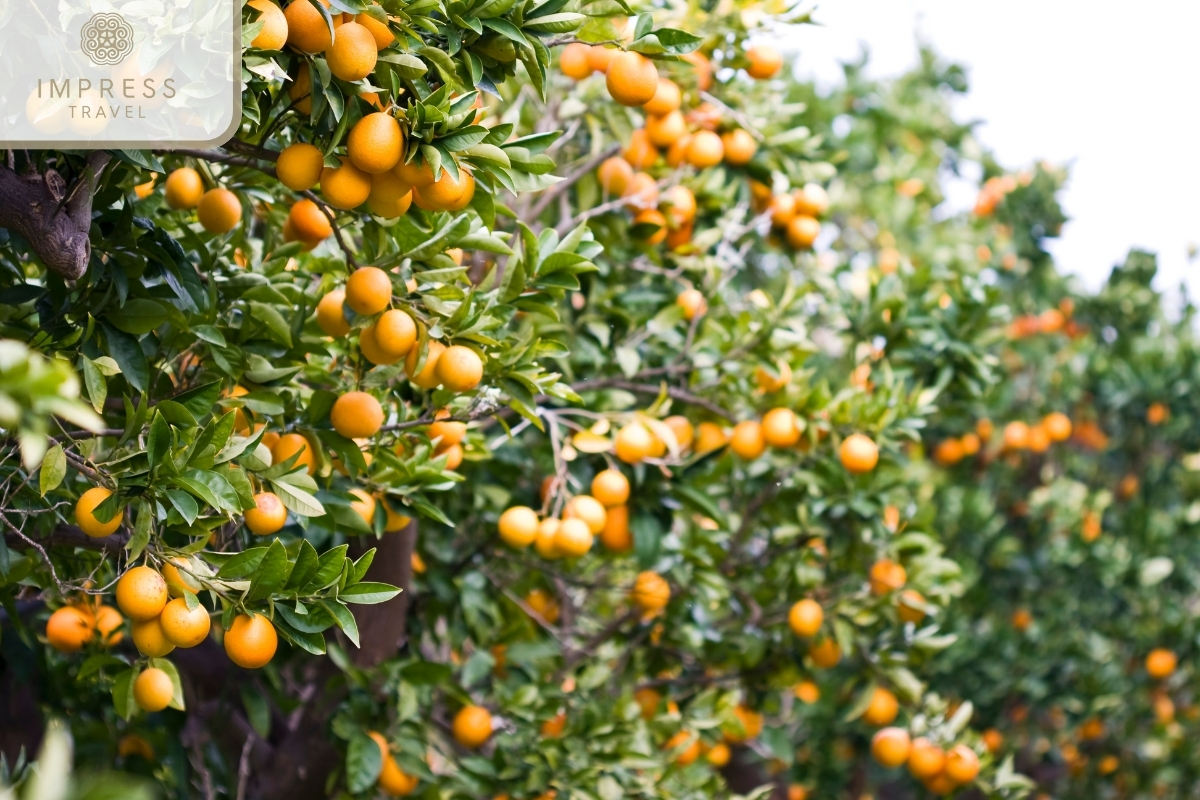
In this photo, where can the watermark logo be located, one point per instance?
(106, 39)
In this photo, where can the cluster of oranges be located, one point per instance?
(1050, 321)
(73, 626)
(940, 770)
(602, 513)
(993, 192)
(1017, 435)
(217, 209)
(797, 214)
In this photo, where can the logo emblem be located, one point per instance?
(106, 39)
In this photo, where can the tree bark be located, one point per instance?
(382, 628)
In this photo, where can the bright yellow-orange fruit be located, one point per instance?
(573, 61)
(108, 625)
(356, 415)
(178, 580)
(184, 628)
(805, 617)
(692, 302)
(993, 740)
(751, 725)
(364, 505)
(274, 32)
(393, 520)
(802, 230)
(394, 781)
(664, 131)
(330, 317)
(633, 443)
(149, 638)
(718, 755)
(353, 54)
(652, 216)
(907, 608)
(811, 199)
(610, 487)
(689, 747)
(807, 692)
(962, 764)
(446, 193)
(289, 445)
(453, 454)
(368, 291)
(573, 538)
(1039, 439)
(394, 334)
(825, 653)
(300, 88)
(641, 191)
(141, 593)
(680, 204)
(705, 149)
(667, 98)
(459, 368)
(543, 605)
(153, 690)
(1057, 426)
(765, 62)
(380, 32)
(781, 427)
(427, 378)
(345, 187)
(640, 153)
(891, 746)
(632, 79)
(709, 437)
(308, 222)
(677, 152)
(783, 210)
(882, 709)
(683, 430)
(748, 441)
(251, 642)
(740, 147)
(588, 509)
(1160, 663)
(390, 196)
(599, 57)
(86, 519)
(416, 172)
(925, 759)
(651, 592)
(307, 31)
(518, 526)
(1016, 435)
(68, 629)
(184, 188)
(375, 143)
(614, 175)
(887, 576)
(472, 726)
(858, 454)
(268, 514)
(616, 536)
(219, 211)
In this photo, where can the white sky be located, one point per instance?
(1108, 88)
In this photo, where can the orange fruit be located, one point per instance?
(677, 152)
(554, 727)
(380, 32)
(718, 755)
(394, 334)
(392, 780)
(306, 28)
(702, 69)
(781, 427)
(882, 709)
(632, 79)
(574, 62)
(599, 57)
(664, 131)
(518, 526)
(446, 193)
(573, 538)
(141, 593)
(796, 792)
(667, 98)
(765, 62)
(219, 211)
(802, 231)
(415, 173)
(371, 350)
(640, 153)
(274, 32)
(891, 747)
(472, 726)
(459, 368)
(390, 197)
(773, 383)
(1160, 663)
(427, 378)
(751, 725)
(356, 415)
(184, 628)
(962, 764)
(353, 54)
(345, 187)
(300, 88)
(858, 454)
(925, 759)
(1039, 439)
(705, 149)
(178, 580)
(740, 147)
(783, 210)
(616, 536)
(683, 430)
(375, 143)
(268, 514)
(1022, 619)
(1016, 435)
(651, 592)
(648, 701)
(184, 188)
(1057, 426)
(250, 642)
(887, 576)
(586, 508)
(308, 221)
(610, 487)
(149, 638)
(153, 690)
(108, 625)
(652, 216)
(543, 605)
(393, 520)
(906, 606)
(614, 174)
(641, 191)
(805, 617)
(288, 445)
(993, 740)
(86, 519)
(807, 692)
(364, 505)
(68, 629)
(687, 754)
(633, 443)
(368, 291)
(681, 204)
(812, 200)
(825, 653)
(1157, 414)
(450, 432)
(709, 437)
(748, 441)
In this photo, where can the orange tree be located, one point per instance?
(225, 409)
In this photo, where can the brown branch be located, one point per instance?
(70, 536)
(54, 220)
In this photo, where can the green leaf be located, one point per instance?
(176, 414)
(96, 662)
(272, 573)
(53, 469)
(139, 315)
(329, 569)
(141, 530)
(669, 41)
(200, 401)
(242, 564)
(298, 501)
(158, 443)
(258, 710)
(364, 762)
(122, 694)
(276, 325)
(344, 619)
(220, 494)
(368, 593)
(563, 22)
(127, 352)
(95, 383)
(304, 568)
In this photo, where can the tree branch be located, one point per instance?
(583, 169)
(673, 392)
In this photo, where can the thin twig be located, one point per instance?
(583, 169)
(673, 392)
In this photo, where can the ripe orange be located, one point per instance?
(783, 210)
(664, 131)
(1016, 435)
(970, 444)
(416, 173)
(705, 149)
(153, 690)
(858, 454)
(108, 625)
(1160, 663)
(450, 432)
(709, 437)
(825, 653)
(802, 231)
(811, 199)
(330, 317)
(356, 415)
(677, 152)
(368, 291)
(179, 581)
(805, 617)
(796, 791)
(882, 709)
(68, 629)
(616, 536)
(765, 62)
(288, 445)
(781, 427)
(740, 147)
(472, 726)
(250, 642)
(702, 68)
(682, 428)
(308, 221)
(390, 197)
(543, 605)
(962, 764)
(86, 519)
(1057, 426)
(446, 193)
(268, 514)
(652, 216)
(633, 443)
(1157, 414)
(353, 54)
(773, 383)
(459, 368)
(453, 454)
(573, 61)
(689, 747)
(306, 31)
(219, 211)
(573, 538)
(993, 740)
(614, 175)
(300, 88)
(394, 334)
(345, 187)
(427, 378)
(632, 79)
(184, 628)
(376, 142)
(149, 638)
(641, 191)
(394, 781)
(610, 487)
(667, 98)
(586, 508)
(906, 606)
(807, 692)
(599, 57)
(648, 701)
(891, 747)
(651, 592)
(1039, 438)
(518, 526)
(640, 153)
(681, 204)
(141, 593)
(887, 576)
(393, 520)
(748, 441)
(274, 32)
(184, 188)
(364, 505)
(925, 759)
(718, 755)
(554, 727)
